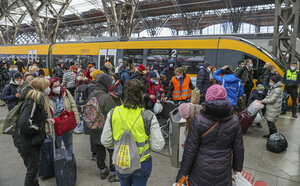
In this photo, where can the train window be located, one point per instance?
(158, 57)
(135, 55)
(191, 60)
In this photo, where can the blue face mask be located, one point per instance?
(260, 92)
(271, 84)
(152, 80)
(171, 65)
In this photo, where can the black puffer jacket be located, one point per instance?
(266, 79)
(30, 135)
(203, 81)
(207, 160)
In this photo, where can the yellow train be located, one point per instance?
(189, 52)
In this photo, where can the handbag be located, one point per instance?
(65, 122)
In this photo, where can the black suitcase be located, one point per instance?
(65, 167)
(46, 169)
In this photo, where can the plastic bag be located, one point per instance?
(181, 182)
(258, 118)
(277, 143)
(195, 98)
(157, 108)
(239, 180)
(254, 107)
(79, 129)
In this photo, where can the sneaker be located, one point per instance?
(294, 116)
(103, 173)
(113, 177)
(94, 156)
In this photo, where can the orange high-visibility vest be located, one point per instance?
(185, 92)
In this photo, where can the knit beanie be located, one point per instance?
(152, 75)
(276, 78)
(141, 68)
(184, 110)
(260, 87)
(95, 73)
(215, 92)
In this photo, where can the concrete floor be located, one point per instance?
(276, 169)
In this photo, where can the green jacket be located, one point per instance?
(245, 75)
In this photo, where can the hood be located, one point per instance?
(217, 110)
(12, 82)
(278, 84)
(231, 78)
(102, 83)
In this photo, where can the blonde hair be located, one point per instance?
(248, 60)
(179, 70)
(39, 84)
(33, 69)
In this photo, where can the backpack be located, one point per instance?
(92, 115)
(126, 157)
(8, 124)
(82, 95)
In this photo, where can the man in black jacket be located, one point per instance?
(203, 81)
(291, 79)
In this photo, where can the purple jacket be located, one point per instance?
(207, 160)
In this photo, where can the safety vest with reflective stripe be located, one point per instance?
(292, 75)
(185, 91)
(138, 132)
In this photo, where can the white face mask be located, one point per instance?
(251, 65)
(178, 77)
(56, 90)
(293, 68)
(208, 69)
(47, 91)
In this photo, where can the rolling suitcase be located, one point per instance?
(65, 167)
(46, 169)
(245, 121)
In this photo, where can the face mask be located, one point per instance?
(113, 82)
(91, 74)
(178, 77)
(293, 68)
(171, 65)
(20, 82)
(152, 80)
(271, 84)
(208, 69)
(56, 90)
(251, 65)
(260, 92)
(47, 91)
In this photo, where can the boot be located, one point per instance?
(294, 112)
(272, 129)
(104, 173)
(113, 177)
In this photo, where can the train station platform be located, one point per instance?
(281, 169)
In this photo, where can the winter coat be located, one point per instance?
(4, 78)
(80, 81)
(58, 72)
(116, 89)
(273, 102)
(255, 96)
(101, 92)
(69, 105)
(209, 160)
(69, 79)
(9, 94)
(169, 73)
(203, 81)
(245, 75)
(234, 86)
(124, 74)
(31, 133)
(153, 89)
(291, 83)
(266, 80)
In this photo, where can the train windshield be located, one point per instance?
(271, 56)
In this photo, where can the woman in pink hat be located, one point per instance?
(214, 145)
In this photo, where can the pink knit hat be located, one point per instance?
(184, 110)
(215, 92)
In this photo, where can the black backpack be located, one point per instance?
(277, 143)
(82, 94)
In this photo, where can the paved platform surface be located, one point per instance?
(276, 169)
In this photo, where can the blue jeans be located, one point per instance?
(138, 177)
(67, 138)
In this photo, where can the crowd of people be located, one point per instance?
(127, 95)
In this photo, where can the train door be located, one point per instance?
(104, 53)
(32, 56)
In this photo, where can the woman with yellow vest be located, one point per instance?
(143, 126)
(180, 86)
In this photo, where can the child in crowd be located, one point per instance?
(257, 94)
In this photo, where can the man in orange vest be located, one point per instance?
(180, 86)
